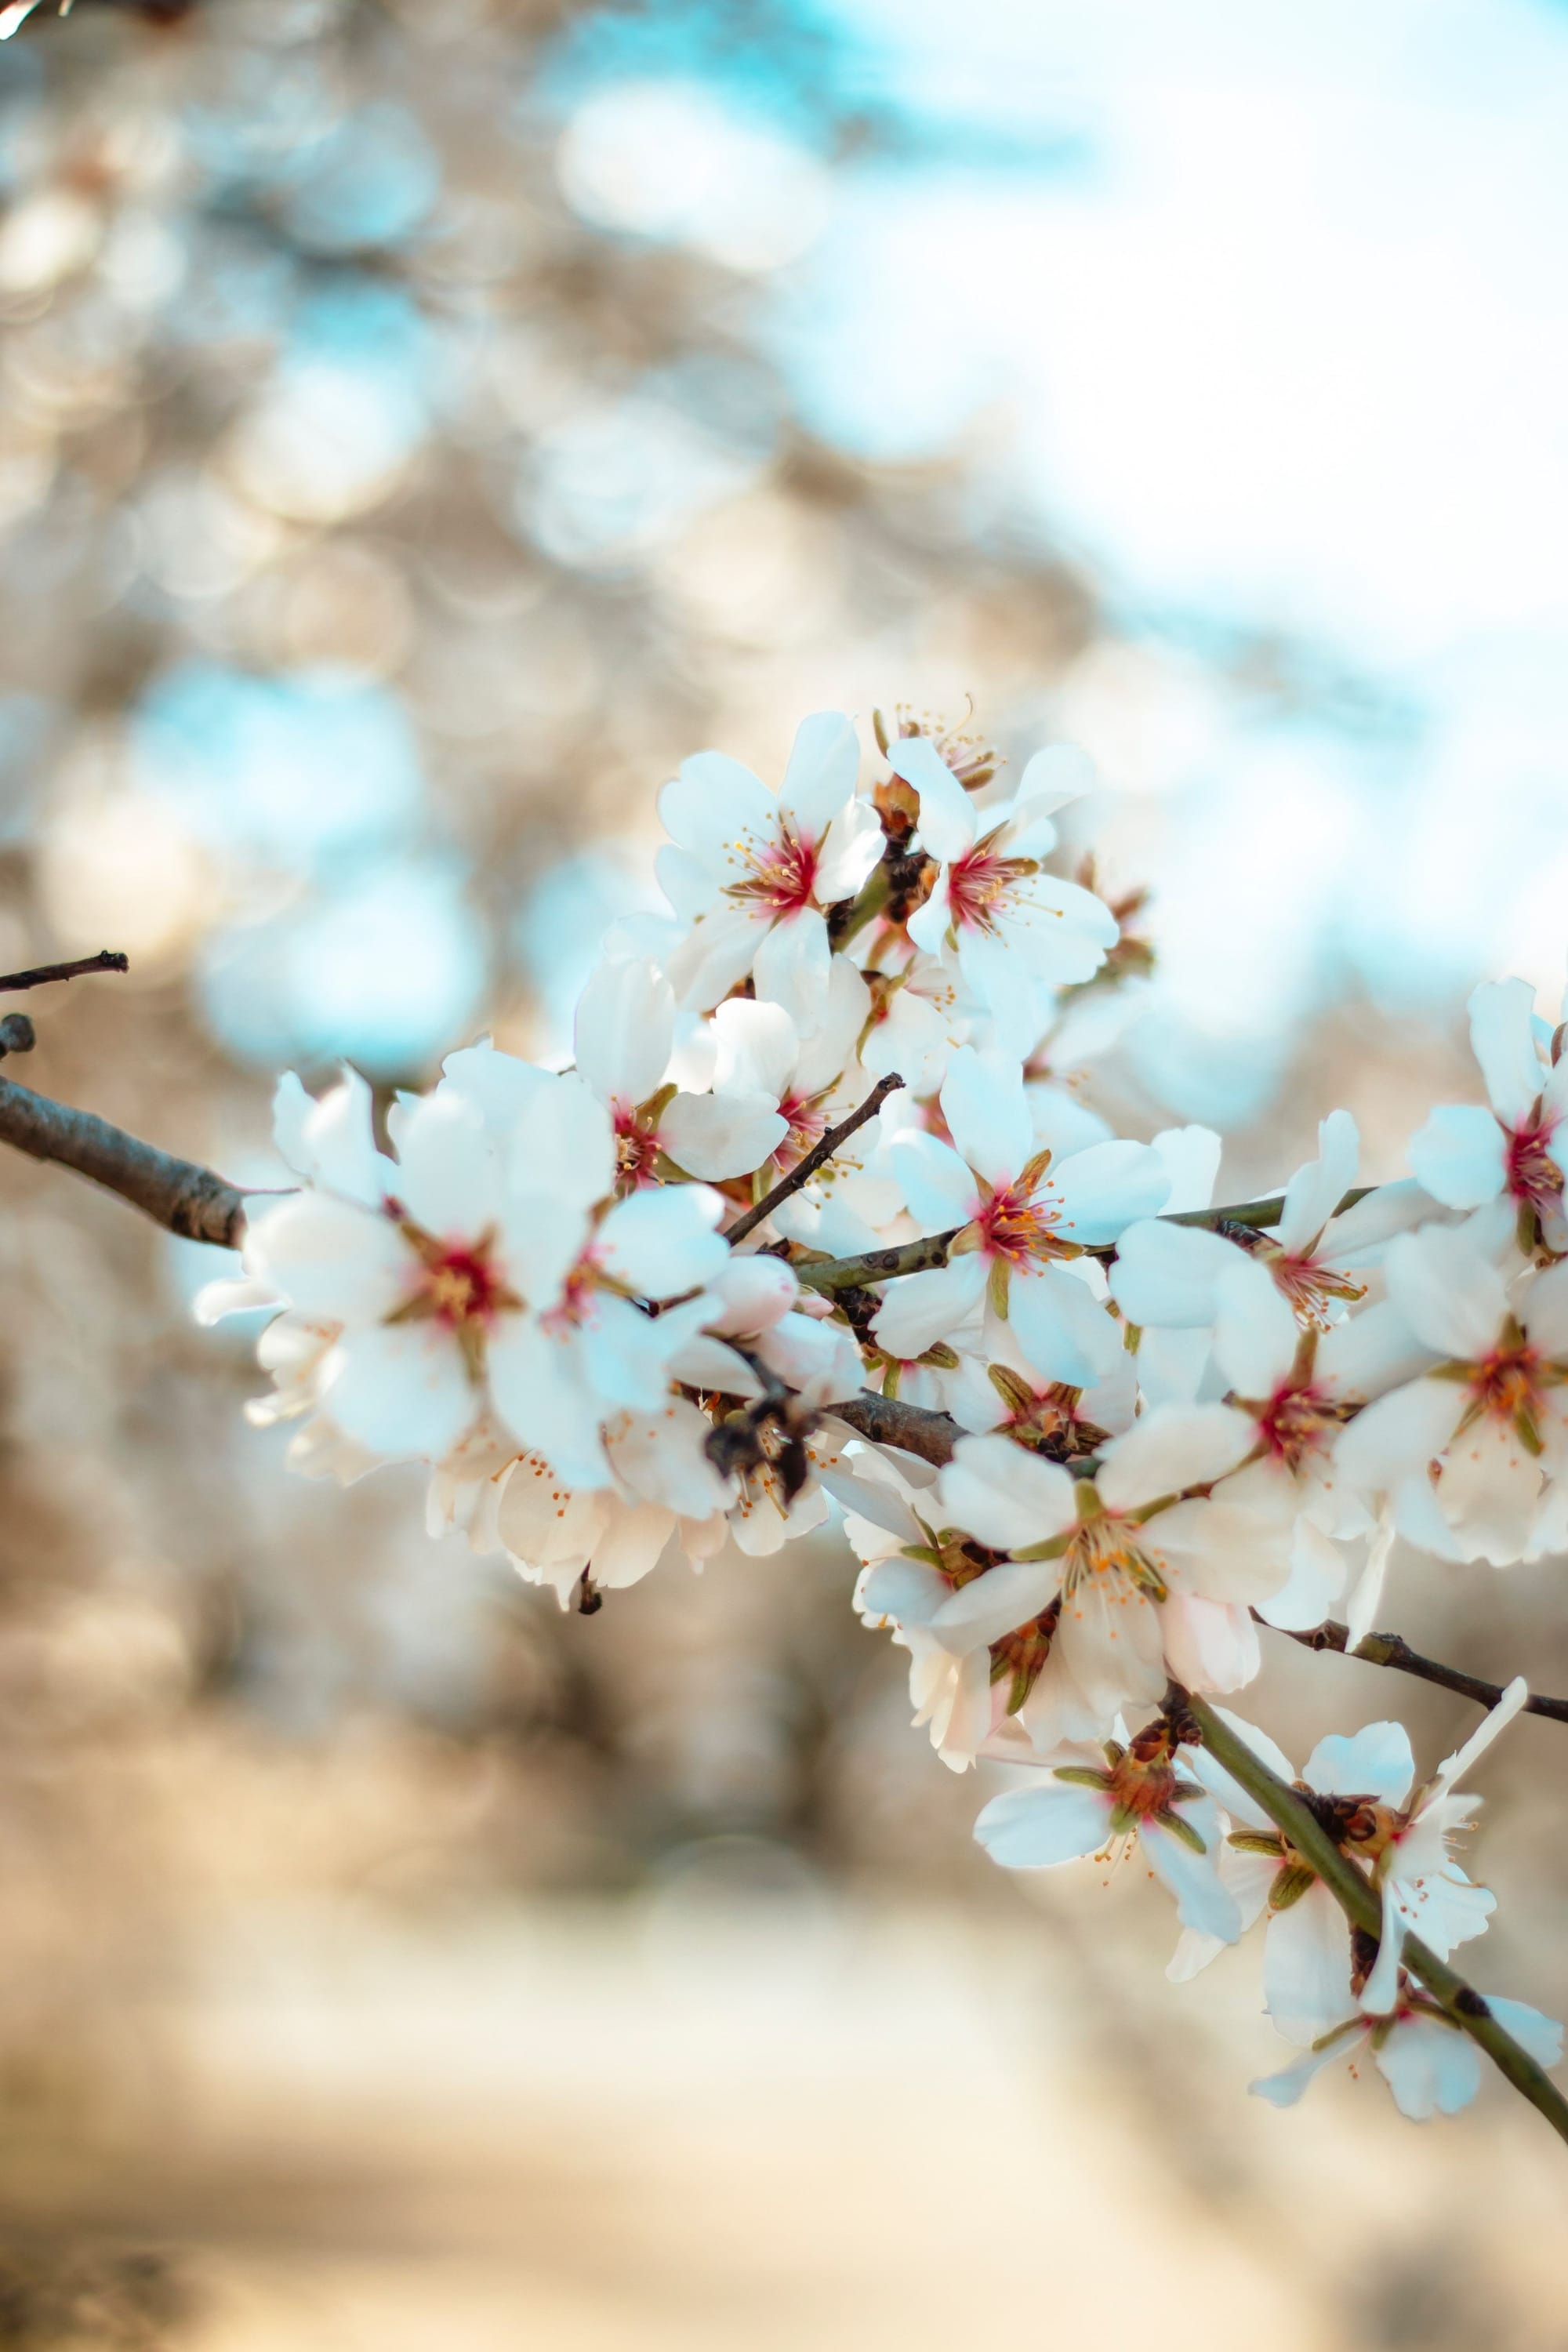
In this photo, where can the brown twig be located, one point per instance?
(804, 1169)
(888, 1421)
(1393, 1650)
(106, 960)
(878, 1264)
(188, 1199)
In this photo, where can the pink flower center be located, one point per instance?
(1293, 1423)
(637, 1148)
(1507, 1383)
(979, 884)
(1533, 1177)
(1020, 1226)
(1310, 1287)
(783, 872)
(807, 1126)
(463, 1287)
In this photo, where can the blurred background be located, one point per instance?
(422, 422)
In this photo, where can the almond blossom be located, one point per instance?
(994, 909)
(1022, 1219)
(1098, 1801)
(1429, 2064)
(1149, 1585)
(753, 873)
(1465, 1155)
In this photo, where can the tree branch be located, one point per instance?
(877, 1265)
(188, 1199)
(1393, 1650)
(931, 1250)
(888, 1421)
(1357, 1898)
(106, 960)
(804, 1169)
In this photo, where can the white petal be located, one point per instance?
(631, 1545)
(1031, 1829)
(1315, 1192)
(1540, 2037)
(330, 1258)
(1430, 2066)
(905, 1591)
(948, 817)
(1255, 1332)
(1210, 1645)
(447, 1177)
(1229, 1793)
(567, 1145)
(713, 802)
(1173, 1448)
(919, 1309)
(624, 1031)
(1053, 777)
(542, 1238)
(1063, 1329)
(1106, 1188)
(537, 1391)
(1005, 1497)
(1284, 2089)
(995, 1603)
(1454, 1768)
(1165, 1275)
(1544, 1311)
(823, 762)
(1203, 1900)
(1307, 1965)
(1374, 1763)
(1460, 1155)
(937, 1185)
(987, 1113)
(337, 1141)
(794, 962)
(1191, 1156)
(1504, 1044)
(715, 1136)
(663, 1241)
(400, 1388)
(759, 1046)
(716, 955)
(1398, 1434)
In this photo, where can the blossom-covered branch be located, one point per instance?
(1320, 1852)
(1088, 1432)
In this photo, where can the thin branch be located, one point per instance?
(880, 1265)
(106, 960)
(1357, 1898)
(188, 1199)
(931, 1250)
(888, 1421)
(1393, 1650)
(804, 1169)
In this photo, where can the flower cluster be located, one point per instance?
(815, 1220)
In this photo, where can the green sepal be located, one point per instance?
(1289, 1886)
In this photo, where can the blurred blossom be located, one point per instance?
(118, 863)
(562, 920)
(293, 771)
(669, 159)
(47, 238)
(386, 972)
(335, 426)
(372, 180)
(613, 482)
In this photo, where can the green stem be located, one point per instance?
(877, 1265)
(1357, 1898)
(873, 897)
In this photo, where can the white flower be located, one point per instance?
(1431, 2066)
(994, 909)
(1301, 1387)
(1165, 1275)
(1495, 1410)
(1307, 1950)
(1148, 1587)
(917, 1017)
(1022, 1218)
(1095, 1801)
(624, 1036)
(753, 873)
(912, 1567)
(1424, 1890)
(1465, 1155)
